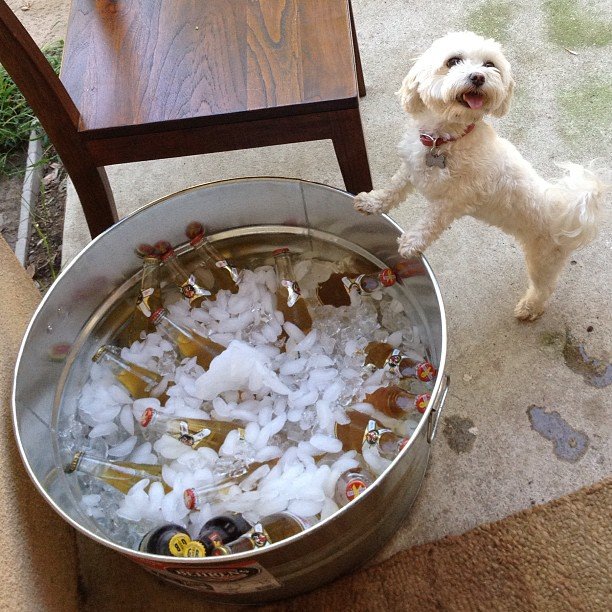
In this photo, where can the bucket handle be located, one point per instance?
(436, 409)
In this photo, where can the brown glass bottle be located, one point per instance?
(148, 300)
(139, 381)
(188, 342)
(381, 354)
(196, 497)
(192, 286)
(362, 430)
(267, 531)
(289, 298)
(170, 540)
(188, 431)
(225, 275)
(336, 290)
(392, 400)
(220, 530)
(122, 475)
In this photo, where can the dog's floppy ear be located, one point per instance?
(503, 108)
(409, 96)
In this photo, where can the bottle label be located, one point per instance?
(293, 291)
(372, 434)
(259, 536)
(191, 439)
(426, 372)
(354, 488)
(394, 359)
(387, 277)
(192, 291)
(142, 302)
(146, 417)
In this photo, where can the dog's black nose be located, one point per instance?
(477, 78)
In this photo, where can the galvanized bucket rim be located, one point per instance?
(148, 558)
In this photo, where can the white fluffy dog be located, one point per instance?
(462, 167)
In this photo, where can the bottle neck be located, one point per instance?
(110, 357)
(150, 274)
(171, 329)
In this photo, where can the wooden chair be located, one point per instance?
(147, 79)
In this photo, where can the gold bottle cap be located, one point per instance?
(178, 544)
(74, 464)
(194, 549)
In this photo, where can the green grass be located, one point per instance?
(491, 19)
(575, 24)
(17, 118)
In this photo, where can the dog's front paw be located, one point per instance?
(528, 309)
(370, 203)
(410, 244)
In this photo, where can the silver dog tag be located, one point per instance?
(435, 159)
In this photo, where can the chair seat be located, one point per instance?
(134, 63)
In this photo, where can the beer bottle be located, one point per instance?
(220, 530)
(193, 287)
(122, 475)
(188, 431)
(169, 540)
(267, 531)
(364, 430)
(381, 354)
(148, 300)
(392, 400)
(289, 298)
(187, 341)
(196, 497)
(139, 381)
(336, 290)
(225, 275)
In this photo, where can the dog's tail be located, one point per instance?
(576, 202)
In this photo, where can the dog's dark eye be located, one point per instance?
(489, 65)
(453, 61)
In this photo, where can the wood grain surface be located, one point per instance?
(134, 62)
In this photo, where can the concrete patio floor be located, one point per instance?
(523, 423)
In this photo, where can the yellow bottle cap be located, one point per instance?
(194, 549)
(178, 544)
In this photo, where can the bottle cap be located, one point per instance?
(162, 247)
(167, 254)
(147, 416)
(157, 314)
(387, 277)
(145, 250)
(193, 229)
(426, 372)
(190, 497)
(178, 544)
(194, 549)
(151, 258)
(421, 402)
(74, 464)
(280, 251)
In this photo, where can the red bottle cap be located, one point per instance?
(162, 247)
(167, 254)
(157, 314)
(145, 250)
(280, 251)
(426, 372)
(189, 497)
(421, 402)
(387, 277)
(147, 417)
(193, 229)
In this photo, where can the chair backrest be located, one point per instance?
(35, 78)
(59, 116)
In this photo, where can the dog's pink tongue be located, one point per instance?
(474, 100)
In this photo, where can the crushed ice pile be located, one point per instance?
(286, 402)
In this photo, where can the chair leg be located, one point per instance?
(350, 148)
(358, 68)
(96, 196)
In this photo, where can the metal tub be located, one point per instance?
(83, 308)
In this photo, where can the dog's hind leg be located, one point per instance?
(544, 264)
(382, 200)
